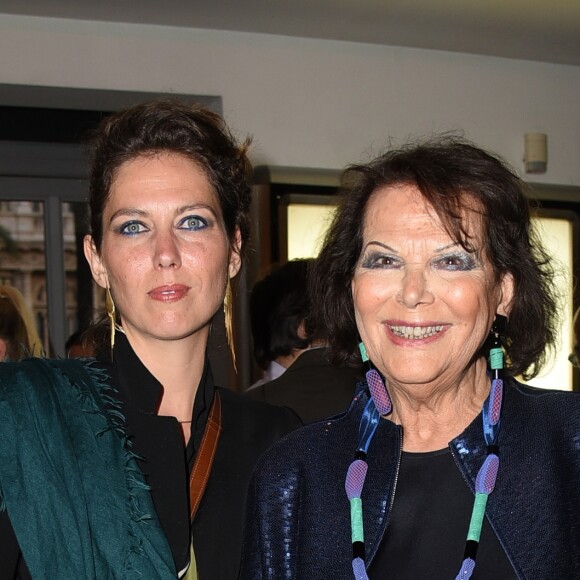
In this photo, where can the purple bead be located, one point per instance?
(487, 475)
(466, 569)
(495, 397)
(355, 478)
(379, 392)
(358, 567)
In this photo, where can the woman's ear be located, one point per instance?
(235, 254)
(507, 289)
(95, 262)
(3, 349)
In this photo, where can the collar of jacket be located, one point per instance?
(540, 433)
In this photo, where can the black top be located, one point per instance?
(428, 525)
(248, 429)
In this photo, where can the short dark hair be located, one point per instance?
(171, 126)
(450, 174)
(278, 305)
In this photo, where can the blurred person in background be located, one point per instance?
(278, 304)
(78, 345)
(283, 333)
(18, 334)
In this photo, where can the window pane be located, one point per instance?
(84, 301)
(307, 226)
(22, 257)
(557, 236)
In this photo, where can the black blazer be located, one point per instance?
(248, 429)
(312, 386)
(534, 509)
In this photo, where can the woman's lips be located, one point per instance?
(171, 293)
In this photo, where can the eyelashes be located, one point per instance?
(452, 262)
(131, 228)
(190, 223)
(193, 223)
(459, 262)
(379, 260)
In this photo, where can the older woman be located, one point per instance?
(444, 466)
(108, 467)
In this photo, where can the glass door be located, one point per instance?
(39, 251)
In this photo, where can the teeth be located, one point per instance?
(416, 332)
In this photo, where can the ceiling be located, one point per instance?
(540, 30)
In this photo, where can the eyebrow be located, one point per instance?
(387, 247)
(381, 245)
(133, 211)
(447, 247)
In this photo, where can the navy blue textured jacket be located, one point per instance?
(299, 524)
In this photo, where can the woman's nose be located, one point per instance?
(415, 289)
(167, 252)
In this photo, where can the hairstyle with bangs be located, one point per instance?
(454, 177)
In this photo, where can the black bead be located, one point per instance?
(471, 549)
(358, 550)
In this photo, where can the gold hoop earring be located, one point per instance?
(112, 315)
(228, 317)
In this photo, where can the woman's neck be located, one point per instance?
(178, 365)
(433, 416)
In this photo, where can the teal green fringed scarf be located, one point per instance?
(76, 498)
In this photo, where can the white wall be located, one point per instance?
(312, 103)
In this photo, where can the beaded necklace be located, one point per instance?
(379, 404)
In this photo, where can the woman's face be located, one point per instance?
(423, 305)
(165, 253)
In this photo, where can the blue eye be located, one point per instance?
(131, 228)
(456, 262)
(193, 222)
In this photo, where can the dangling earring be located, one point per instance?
(376, 385)
(498, 327)
(496, 365)
(228, 317)
(112, 315)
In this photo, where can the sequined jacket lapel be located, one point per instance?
(535, 507)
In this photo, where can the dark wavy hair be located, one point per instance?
(162, 126)
(168, 126)
(278, 305)
(450, 174)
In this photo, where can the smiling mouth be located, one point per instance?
(415, 332)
